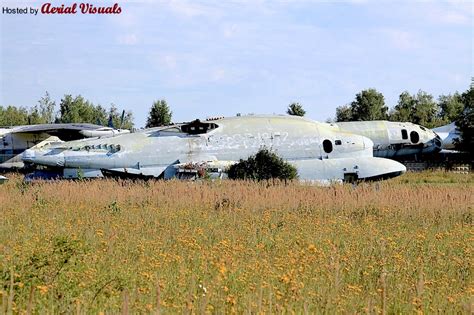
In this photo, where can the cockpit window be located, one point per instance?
(197, 127)
(404, 134)
(327, 146)
(414, 137)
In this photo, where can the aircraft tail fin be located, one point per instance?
(122, 118)
(111, 122)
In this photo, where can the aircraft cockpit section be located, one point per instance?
(412, 134)
(395, 139)
(197, 127)
(405, 133)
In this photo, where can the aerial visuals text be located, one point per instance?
(74, 8)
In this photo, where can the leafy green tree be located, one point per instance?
(13, 116)
(79, 110)
(344, 113)
(451, 106)
(405, 108)
(419, 109)
(369, 105)
(72, 110)
(44, 110)
(295, 109)
(34, 116)
(118, 122)
(263, 166)
(160, 114)
(465, 123)
(426, 110)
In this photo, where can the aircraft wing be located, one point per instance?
(65, 132)
(182, 169)
(446, 128)
(449, 135)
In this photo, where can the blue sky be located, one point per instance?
(219, 58)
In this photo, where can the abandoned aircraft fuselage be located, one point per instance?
(15, 140)
(12, 145)
(395, 139)
(318, 151)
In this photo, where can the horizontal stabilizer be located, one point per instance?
(133, 173)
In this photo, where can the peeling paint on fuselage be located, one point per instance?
(389, 140)
(293, 138)
(318, 150)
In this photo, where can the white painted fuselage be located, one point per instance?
(318, 151)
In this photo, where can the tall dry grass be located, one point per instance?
(398, 246)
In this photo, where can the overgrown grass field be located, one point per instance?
(399, 246)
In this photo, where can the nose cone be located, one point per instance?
(53, 157)
(28, 156)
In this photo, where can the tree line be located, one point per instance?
(71, 110)
(76, 109)
(420, 108)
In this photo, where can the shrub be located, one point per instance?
(263, 165)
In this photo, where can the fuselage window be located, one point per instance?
(414, 137)
(327, 146)
(338, 142)
(404, 134)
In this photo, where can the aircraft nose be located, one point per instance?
(434, 144)
(28, 156)
(47, 158)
